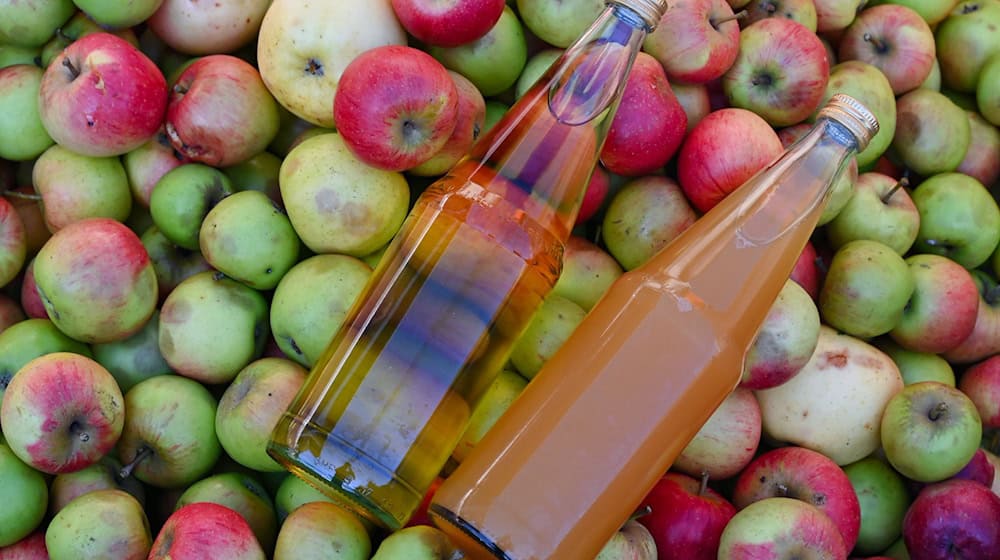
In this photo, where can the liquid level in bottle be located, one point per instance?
(633, 384)
(387, 403)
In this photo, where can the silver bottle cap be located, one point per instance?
(651, 11)
(853, 115)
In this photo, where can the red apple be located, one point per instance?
(468, 125)
(31, 300)
(686, 518)
(894, 39)
(199, 28)
(836, 15)
(694, 99)
(31, 547)
(806, 273)
(981, 383)
(724, 150)
(982, 159)
(781, 529)
(220, 113)
(395, 107)
(205, 530)
(984, 340)
(953, 519)
(979, 469)
(448, 24)
(942, 310)
(696, 41)
(797, 472)
(101, 96)
(649, 125)
(597, 192)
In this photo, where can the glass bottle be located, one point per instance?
(385, 405)
(587, 439)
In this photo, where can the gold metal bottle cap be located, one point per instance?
(649, 10)
(851, 113)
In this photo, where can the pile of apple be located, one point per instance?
(195, 193)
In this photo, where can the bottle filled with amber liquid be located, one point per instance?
(386, 404)
(604, 419)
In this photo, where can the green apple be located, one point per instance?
(932, 132)
(259, 173)
(77, 26)
(169, 436)
(251, 406)
(914, 366)
(880, 210)
(147, 164)
(249, 238)
(100, 524)
(559, 22)
(26, 340)
(933, 79)
(11, 55)
(884, 500)
(417, 542)
(930, 431)
(552, 323)
(171, 263)
(987, 92)
(494, 110)
(588, 271)
(22, 136)
(241, 493)
(30, 23)
(338, 204)
(897, 551)
(181, 199)
(497, 399)
(135, 358)
(959, 219)
(212, 326)
(292, 493)
(102, 475)
(965, 40)
(24, 495)
(494, 61)
(537, 64)
(982, 160)
(115, 14)
(867, 84)
(311, 302)
(866, 289)
(74, 187)
(322, 530)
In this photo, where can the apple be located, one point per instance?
(550, 325)
(76, 109)
(135, 358)
(220, 112)
(987, 96)
(294, 492)
(13, 243)
(30, 23)
(979, 469)
(145, 165)
(782, 94)
(102, 475)
(942, 311)
(24, 495)
(778, 528)
(259, 173)
(836, 15)
(241, 493)
(959, 219)
(200, 28)
(930, 431)
(649, 124)
(104, 523)
(835, 403)
(468, 125)
(116, 15)
(79, 25)
(96, 280)
(802, 11)
(785, 340)
(30, 339)
(212, 326)
(806, 475)
(303, 48)
(29, 209)
(632, 542)
(62, 412)
(324, 530)
(914, 366)
(869, 86)
(884, 500)
(896, 40)
(419, 542)
(806, 272)
(595, 196)
(494, 61)
(181, 199)
(11, 55)
(644, 215)
(31, 547)
(932, 132)
(982, 159)
(879, 210)
(727, 442)
(10, 313)
(497, 399)
(694, 99)
(686, 518)
(587, 273)
(723, 151)
(22, 135)
(953, 519)
(31, 300)
(336, 202)
(844, 187)
(696, 41)
(965, 41)
(984, 340)
(867, 287)
(74, 187)
(171, 263)
(561, 22)
(161, 447)
(251, 406)
(981, 383)
(449, 25)
(533, 69)
(205, 529)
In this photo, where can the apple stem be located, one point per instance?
(641, 512)
(738, 15)
(73, 70)
(782, 490)
(879, 45)
(903, 182)
(937, 411)
(143, 453)
(21, 195)
(179, 89)
(704, 483)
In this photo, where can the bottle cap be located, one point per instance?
(651, 11)
(851, 113)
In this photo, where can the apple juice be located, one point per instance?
(598, 426)
(386, 404)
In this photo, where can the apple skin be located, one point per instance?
(942, 311)
(242, 493)
(145, 165)
(494, 61)
(103, 523)
(778, 528)
(418, 542)
(727, 442)
(10, 312)
(13, 243)
(930, 431)
(984, 340)
(979, 469)
(649, 125)
(785, 340)
(868, 85)
(631, 542)
(22, 136)
(495, 401)
(806, 273)
(981, 383)
(74, 187)
(448, 25)
(953, 519)
(552, 323)
(558, 23)
(965, 41)
(959, 219)
(842, 190)
(836, 15)
(75, 105)
(692, 43)
(31, 300)
(878, 210)
(915, 367)
(982, 159)
(30, 339)
(102, 475)
(204, 529)
(118, 15)
(469, 123)
(325, 530)
(31, 547)
(33, 22)
(884, 499)
(62, 412)
(932, 132)
(896, 40)
(783, 94)
(725, 149)
(25, 497)
(171, 263)
(987, 94)
(588, 271)
(595, 196)
(686, 520)
(803, 12)
(201, 28)
(220, 112)
(181, 199)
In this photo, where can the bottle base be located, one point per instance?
(466, 537)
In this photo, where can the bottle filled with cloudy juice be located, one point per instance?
(603, 420)
(386, 404)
